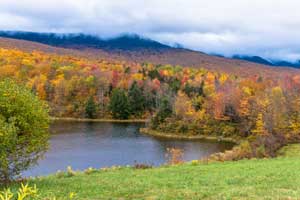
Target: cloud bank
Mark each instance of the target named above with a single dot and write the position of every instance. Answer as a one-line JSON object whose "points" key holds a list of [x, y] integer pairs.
{"points": [[268, 28]]}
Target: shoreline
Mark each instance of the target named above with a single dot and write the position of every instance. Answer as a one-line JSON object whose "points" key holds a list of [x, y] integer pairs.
{"points": [[70, 119], [149, 132], [154, 133], [218, 179]]}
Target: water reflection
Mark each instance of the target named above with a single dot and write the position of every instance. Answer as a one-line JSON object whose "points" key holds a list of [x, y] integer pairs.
{"points": [[82, 145]]}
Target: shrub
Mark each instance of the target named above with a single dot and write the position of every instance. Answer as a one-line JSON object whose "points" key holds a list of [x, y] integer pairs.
{"points": [[261, 152], [60, 174], [195, 162], [24, 124], [70, 172], [174, 156], [254, 147], [90, 170], [27, 192], [142, 166]]}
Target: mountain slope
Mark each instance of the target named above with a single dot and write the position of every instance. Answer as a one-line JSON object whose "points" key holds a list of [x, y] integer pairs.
{"points": [[148, 53]]}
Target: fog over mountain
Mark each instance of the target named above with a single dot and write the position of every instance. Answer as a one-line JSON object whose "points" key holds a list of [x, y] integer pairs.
{"points": [[124, 42], [265, 28]]}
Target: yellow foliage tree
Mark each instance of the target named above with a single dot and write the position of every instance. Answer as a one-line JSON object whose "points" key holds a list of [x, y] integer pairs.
{"points": [[259, 126], [183, 106]]}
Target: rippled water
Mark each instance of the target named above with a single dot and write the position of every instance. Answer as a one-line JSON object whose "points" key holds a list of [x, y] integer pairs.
{"points": [[82, 145]]}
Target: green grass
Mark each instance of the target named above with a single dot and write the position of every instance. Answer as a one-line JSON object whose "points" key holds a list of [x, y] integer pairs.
{"points": [[277, 178], [252, 179]]}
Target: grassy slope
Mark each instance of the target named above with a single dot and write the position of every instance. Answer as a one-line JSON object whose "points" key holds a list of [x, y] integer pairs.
{"points": [[255, 179]]}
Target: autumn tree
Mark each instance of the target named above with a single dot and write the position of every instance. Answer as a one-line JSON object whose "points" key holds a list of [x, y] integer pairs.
{"points": [[278, 108], [183, 107], [293, 114], [259, 126]]}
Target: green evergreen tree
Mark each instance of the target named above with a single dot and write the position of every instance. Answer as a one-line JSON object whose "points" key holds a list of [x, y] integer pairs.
{"points": [[165, 111], [136, 100], [90, 108], [175, 85], [191, 90], [119, 104]]}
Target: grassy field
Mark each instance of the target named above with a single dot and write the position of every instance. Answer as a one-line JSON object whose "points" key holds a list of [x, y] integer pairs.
{"points": [[277, 178]]}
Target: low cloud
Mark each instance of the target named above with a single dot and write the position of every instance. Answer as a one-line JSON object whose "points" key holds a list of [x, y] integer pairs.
{"points": [[269, 28]]}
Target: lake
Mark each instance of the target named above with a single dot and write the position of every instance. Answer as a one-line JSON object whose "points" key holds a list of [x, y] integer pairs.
{"points": [[90, 144]]}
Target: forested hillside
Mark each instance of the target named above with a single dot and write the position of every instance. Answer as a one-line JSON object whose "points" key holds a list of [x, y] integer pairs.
{"points": [[68, 82], [178, 100]]}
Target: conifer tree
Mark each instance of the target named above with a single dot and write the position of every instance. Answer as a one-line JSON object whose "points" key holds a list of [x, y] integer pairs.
{"points": [[90, 108], [119, 104], [136, 99]]}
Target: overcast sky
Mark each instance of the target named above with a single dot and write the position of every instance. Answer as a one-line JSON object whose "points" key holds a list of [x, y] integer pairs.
{"points": [[269, 28]]}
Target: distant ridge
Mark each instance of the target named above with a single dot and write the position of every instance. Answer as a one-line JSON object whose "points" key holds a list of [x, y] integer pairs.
{"points": [[72, 40], [260, 60]]}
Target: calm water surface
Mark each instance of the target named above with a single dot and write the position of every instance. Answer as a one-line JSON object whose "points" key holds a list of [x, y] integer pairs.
{"points": [[82, 145]]}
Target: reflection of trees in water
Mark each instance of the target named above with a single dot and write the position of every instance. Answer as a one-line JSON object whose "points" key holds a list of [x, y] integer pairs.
{"points": [[192, 149], [91, 129]]}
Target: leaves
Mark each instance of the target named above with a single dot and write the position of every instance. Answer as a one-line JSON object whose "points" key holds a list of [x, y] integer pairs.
{"points": [[23, 129]]}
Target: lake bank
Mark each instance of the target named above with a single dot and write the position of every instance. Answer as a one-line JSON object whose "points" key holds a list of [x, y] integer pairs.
{"points": [[154, 133], [98, 120]]}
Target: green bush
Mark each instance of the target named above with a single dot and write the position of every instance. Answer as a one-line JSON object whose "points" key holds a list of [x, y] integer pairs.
{"points": [[24, 124]]}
